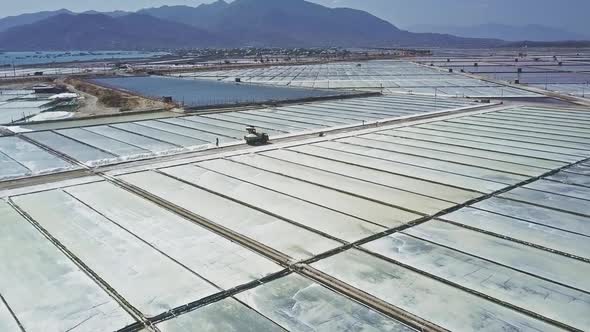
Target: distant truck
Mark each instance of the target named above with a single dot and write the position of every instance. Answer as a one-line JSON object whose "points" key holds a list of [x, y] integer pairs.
{"points": [[255, 138]]}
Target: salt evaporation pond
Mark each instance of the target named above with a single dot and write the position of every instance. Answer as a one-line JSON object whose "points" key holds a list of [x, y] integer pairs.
{"points": [[194, 92]]}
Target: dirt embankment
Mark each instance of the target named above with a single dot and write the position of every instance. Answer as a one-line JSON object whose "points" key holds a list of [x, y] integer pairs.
{"points": [[101, 100], [24, 83]]}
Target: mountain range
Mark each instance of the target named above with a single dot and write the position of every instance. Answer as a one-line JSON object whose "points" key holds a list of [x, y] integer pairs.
{"points": [[531, 32], [103, 32], [268, 23]]}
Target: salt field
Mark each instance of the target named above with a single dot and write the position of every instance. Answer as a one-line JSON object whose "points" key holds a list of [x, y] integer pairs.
{"points": [[385, 76], [17, 105], [525, 290], [273, 232], [242, 169], [567, 74], [575, 89], [225, 315], [298, 304], [480, 210], [20, 158], [364, 214], [117, 142], [70, 297], [422, 296]]}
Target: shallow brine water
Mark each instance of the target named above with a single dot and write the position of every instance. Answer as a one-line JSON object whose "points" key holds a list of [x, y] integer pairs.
{"points": [[196, 93]]}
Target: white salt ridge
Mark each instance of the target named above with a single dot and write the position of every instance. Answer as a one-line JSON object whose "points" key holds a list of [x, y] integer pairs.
{"points": [[46, 116]]}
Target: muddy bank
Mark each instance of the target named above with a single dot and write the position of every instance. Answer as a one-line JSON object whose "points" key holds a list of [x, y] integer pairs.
{"points": [[100, 100]]}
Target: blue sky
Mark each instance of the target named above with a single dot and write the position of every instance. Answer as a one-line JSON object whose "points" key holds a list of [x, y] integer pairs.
{"points": [[566, 14]]}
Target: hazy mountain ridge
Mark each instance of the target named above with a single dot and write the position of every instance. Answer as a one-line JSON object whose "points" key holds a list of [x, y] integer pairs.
{"points": [[14, 21], [201, 16], [531, 32], [285, 23], [103, 32]]}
